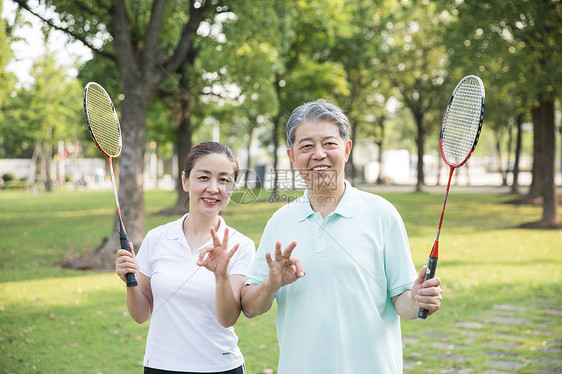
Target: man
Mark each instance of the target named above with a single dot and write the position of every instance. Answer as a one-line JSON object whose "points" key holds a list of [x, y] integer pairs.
{"points": [[347, 276]]}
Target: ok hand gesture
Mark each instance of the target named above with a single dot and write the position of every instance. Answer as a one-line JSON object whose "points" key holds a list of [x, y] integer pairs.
{"points": [[217, 257], [284, 269]]}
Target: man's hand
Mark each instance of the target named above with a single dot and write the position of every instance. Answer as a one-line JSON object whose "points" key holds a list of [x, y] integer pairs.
{"points": [[428, 294], [284, 269]]}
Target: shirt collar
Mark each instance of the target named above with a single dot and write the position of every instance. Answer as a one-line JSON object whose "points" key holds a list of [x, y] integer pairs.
{"points": [[304, 209], [177, 228], [347, 205], [345, 208]]}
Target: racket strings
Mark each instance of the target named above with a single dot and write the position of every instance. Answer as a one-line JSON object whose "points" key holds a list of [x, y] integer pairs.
{"points": [[102, 120], [462, 120]]}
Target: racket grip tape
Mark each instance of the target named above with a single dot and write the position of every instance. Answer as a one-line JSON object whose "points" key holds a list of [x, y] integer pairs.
{"points": [[430, 273], [131, 281]]}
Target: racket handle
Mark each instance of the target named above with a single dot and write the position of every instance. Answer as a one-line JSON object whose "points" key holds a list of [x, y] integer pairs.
{"points": [[131, 281], [430, 273]]}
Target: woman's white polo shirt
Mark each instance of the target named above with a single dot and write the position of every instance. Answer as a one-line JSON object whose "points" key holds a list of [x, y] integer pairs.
{"points": [[184, 334]]}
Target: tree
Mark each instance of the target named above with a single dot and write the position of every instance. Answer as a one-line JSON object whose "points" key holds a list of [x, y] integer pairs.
{"points": [[228, 71], [305, 33], [239, 91], [6, 78], [416, 64], [148, 42], [377, 119], [7, 86], [41, 116], [500, 115], [528, 36], [355, 48]]}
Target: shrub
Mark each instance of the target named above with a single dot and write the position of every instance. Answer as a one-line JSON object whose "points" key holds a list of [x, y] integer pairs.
{"points": [[8, 177]]}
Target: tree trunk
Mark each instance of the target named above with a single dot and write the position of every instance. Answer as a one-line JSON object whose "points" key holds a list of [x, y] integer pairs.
{"points": [[515, 171], [131, 167], [509, 150], [560, 132], [184, 143], [350, 163], [130, 185], [47, 155], [537, 183], [381, 177], [550, 203], [251, 128], [543, 164], [143, 68], [33, 167], [420, 144], [503, 172], [275, 138], [439, 165]]}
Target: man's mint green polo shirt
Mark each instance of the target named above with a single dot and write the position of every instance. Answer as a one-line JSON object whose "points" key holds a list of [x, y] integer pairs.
{"points": [[339, 317]]}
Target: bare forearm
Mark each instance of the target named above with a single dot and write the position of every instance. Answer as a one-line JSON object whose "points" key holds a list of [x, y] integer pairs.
{"points": [[404, 305], [283, 270], [227, 304], [257, 299], [139, 300], [140, 308]]}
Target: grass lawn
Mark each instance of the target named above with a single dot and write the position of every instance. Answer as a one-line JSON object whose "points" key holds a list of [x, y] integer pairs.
{"points": [[502, 306]]}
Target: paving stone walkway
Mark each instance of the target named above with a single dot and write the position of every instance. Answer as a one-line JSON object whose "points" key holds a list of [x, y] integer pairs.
{"points": [[501, 353]]}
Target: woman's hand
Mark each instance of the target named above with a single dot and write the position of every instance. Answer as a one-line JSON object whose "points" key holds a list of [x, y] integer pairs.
{"points": [[217, 257], [126, 262]]}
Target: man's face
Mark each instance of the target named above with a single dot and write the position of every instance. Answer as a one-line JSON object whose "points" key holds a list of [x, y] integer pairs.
{"points": [[319, 154]]}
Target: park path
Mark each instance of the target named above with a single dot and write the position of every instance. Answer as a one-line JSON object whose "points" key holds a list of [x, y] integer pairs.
{"points": [[503, 351]]}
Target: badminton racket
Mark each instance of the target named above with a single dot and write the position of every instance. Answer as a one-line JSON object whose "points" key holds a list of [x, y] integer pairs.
{"points": [[103, 124], [460, 130]]}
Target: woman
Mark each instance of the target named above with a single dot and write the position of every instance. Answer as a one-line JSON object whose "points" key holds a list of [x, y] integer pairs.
{"points": [[190, 272]]}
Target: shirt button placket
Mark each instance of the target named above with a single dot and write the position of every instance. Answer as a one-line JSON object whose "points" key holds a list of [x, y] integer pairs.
{"points": [[320, 247]]}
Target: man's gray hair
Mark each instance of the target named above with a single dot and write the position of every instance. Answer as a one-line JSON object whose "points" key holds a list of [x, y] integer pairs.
{"points": [[320, 110]]}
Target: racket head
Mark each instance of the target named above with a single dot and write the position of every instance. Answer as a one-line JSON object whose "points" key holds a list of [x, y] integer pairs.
{"points": [[462, 121], [102, 120]]}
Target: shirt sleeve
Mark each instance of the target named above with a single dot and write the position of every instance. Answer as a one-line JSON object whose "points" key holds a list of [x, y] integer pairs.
{"points": [[243, 258], [259, 269], [399, 267], [144, 255]]}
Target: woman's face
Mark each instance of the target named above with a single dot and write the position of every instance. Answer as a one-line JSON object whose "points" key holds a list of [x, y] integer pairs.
{"points": [[210, 184]]}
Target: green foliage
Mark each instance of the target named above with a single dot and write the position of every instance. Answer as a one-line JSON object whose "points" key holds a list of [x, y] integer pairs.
{"points": [[415, 60], [307, 33], [513, 44], [6, 78], [8, 82], [53, 111], [355, 48], [46, 112], [272, 57]]}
